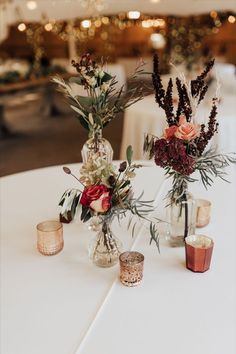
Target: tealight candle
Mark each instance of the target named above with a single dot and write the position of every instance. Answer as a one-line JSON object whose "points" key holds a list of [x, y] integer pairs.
{"points": [[198, 250], [50, 237], [131, 268], [203, 212]]}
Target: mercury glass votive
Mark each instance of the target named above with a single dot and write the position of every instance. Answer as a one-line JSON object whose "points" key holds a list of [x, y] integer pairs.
{"points": [[131, 268], [50, 237], [198, 252], [203, 212]]}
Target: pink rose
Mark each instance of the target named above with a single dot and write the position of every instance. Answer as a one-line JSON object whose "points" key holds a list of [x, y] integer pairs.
{"points": [[170, 132], [186, 131], [96, 197]]}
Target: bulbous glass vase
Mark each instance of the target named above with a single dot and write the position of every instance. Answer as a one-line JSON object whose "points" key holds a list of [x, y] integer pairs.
{"points": [[97, 145], [105, 249]]}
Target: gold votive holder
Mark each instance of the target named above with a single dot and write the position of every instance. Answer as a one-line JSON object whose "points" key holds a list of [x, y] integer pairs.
{"points": [[131, 268], [50, 237], [203, 212], [198, 252]]}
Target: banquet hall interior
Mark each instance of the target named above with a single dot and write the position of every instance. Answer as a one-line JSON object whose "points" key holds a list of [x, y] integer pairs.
{"points": [[40, 38]]}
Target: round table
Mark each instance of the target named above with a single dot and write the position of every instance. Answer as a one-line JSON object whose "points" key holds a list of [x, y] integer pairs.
{"points": [[63, 304]]}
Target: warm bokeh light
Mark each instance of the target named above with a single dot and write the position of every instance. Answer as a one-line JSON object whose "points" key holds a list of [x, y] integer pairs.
{"points": [[159, 22], [21, 27], [133, 15], [213, 14], [231, 19], [154, 1], [48, 27], [86, 23], [32, 5], [158, 41]]}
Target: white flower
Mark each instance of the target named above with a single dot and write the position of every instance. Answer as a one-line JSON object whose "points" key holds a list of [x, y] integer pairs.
{"points": [[105, 86], [99, 72]]}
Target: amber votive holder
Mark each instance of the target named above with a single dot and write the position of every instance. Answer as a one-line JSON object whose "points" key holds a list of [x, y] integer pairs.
{"points": [[203, 212], [131, 268], [198, 252], [50, 237]]}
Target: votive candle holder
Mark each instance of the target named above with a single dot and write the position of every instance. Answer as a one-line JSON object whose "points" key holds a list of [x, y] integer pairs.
{"points": [[131, 268], [50, 237], [203, 212], [198, 251]]}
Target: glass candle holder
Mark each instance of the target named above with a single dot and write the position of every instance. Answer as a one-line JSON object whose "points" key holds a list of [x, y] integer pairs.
{"points": [[203, 212], [131, 268], [50, 237], [198, 251]]}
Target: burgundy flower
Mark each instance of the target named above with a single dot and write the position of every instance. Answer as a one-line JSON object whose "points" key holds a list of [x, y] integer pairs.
{"points": [[95, 193], [173, 154]]}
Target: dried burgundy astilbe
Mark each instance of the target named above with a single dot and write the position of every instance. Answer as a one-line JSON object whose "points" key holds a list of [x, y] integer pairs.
{"points": [[173, 154], [206, 135], [164, 99], [198, 87], [184, 105]]}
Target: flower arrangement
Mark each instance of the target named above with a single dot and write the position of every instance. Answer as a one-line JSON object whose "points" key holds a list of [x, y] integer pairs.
{"points": [[107, 193], [101, 101], [182, 150]]}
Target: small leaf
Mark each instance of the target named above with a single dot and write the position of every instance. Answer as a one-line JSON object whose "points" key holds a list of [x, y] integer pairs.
{"points": [[129, 154]]}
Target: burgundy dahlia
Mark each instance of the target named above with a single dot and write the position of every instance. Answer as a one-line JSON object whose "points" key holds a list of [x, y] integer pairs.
{"points": [[173, 154]]}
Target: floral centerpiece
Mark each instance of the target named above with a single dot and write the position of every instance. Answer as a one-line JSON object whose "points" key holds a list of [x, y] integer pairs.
{"points": [[183, 147], [100, 103], [107, 193]]}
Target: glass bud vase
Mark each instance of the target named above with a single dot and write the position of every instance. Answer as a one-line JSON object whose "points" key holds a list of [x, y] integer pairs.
{"points": [[105, 249], [97, 145], [181, 214]]}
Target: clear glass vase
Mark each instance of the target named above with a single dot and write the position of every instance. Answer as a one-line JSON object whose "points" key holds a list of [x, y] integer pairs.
{"points": [[105, 249], [181, 215], [97, 145]]}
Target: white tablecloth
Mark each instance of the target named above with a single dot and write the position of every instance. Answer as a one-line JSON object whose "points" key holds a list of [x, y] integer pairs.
{"points": [[147, 117], [65, 305]]}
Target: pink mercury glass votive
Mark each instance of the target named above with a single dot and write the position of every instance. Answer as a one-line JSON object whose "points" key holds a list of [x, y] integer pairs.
{"points": [[50, 237]]}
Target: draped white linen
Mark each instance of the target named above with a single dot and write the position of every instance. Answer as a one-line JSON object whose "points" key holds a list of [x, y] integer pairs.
{"points": [[65, 305]]}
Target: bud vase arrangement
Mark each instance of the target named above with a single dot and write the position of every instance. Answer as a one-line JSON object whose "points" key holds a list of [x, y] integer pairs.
{"points": [[100, 103], [107, 194], [184, 148]]}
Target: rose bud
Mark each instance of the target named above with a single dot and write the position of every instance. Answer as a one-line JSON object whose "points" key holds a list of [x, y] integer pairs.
{"points": [[111, 180], [67, 170], [123, 166]]}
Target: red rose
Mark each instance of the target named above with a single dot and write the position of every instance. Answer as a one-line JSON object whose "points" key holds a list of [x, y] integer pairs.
{"points": [[97, 198]]}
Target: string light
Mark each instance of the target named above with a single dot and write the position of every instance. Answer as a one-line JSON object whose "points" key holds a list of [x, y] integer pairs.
{"points": [[86, 23], [133, 15], [21, 27], [48, 27], [231, 19]]}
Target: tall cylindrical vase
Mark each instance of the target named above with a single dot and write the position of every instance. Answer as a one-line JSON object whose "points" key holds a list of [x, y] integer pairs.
{"points": [[105, 249], [98, 146], [181, 218]]}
